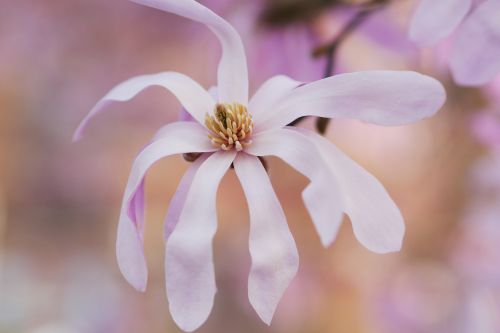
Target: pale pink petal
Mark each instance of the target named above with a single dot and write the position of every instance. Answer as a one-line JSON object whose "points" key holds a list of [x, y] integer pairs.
{"points": [[232, 80], [274, 255], [475, 57], [177, 201], [192, 96], [437, 19], [185, 116], [376, 220], [321, 196], [181, 137], [269, 94], [380, 97], [189, 267]]}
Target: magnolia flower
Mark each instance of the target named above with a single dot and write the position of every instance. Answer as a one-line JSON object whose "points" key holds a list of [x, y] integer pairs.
{"points": [[234, 130], [475, 56]]}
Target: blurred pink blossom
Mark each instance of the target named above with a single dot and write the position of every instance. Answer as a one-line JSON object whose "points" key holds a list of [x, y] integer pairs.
{"points": [[486, 128], [475, 55]]}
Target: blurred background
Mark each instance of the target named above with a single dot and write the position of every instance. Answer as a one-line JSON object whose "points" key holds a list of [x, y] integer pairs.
{"points": [[60, 202]]}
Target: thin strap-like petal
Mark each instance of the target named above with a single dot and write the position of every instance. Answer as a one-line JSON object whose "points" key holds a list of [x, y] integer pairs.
{"points": [[193, 97], [182, 137], [321, 197], [269, 93], [380, 97], [437, 19], [475, 58], [179, 198], [189, 268], [274, 255], [376, 220], [232, 80]]}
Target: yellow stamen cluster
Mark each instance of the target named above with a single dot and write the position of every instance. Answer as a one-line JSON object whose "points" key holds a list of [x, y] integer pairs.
{"points": [[230, 126]]}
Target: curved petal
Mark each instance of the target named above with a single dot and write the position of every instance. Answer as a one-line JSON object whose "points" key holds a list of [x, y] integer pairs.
{"points": [[177, 202], [380, 97], [269, 94], [376, 220], [232, 73], [475, 58], [182, 137], [185, 116], [275, 260], [189, 266], [434, 20], [321, 196], [193, 97]]}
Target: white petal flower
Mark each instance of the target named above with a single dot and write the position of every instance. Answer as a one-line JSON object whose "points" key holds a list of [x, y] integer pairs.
{"points": [[230, 130]]}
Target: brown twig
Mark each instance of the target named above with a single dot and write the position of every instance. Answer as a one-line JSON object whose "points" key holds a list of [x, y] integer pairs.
{"points": [[329, 50]]}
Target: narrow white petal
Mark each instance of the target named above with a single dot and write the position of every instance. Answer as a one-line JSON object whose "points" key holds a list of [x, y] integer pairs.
{"points": [[189, 268], [177, 202], [232, 79], [380, 97], [193, 97], [274, 255], [180, 138], [269, 94], [376, 220], [321, 197]]}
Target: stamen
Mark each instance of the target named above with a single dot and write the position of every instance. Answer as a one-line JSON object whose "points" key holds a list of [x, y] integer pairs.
{"points": [[230, 126]]}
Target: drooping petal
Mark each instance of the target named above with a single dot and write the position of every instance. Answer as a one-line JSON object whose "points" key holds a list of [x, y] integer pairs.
{"points": [[181, 137], [321, 196], [434, 20], [269, 94], [376, 220], [193, 97], [475, 58], [177, 201], [380, 97], [272, 247], [232, 80], [189, 266]]}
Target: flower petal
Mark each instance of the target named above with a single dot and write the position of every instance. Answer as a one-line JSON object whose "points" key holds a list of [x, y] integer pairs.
{"points": [[181, 137], [232, 73], [434, 20], [475, 58], [376, 220], [380, 97], [321, 196], [189, 266], [269, 94], [193, 97], [177, 202], [274, 255]]}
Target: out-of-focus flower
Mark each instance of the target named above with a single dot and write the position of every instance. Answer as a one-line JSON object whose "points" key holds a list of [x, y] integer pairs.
{"points": [[235, 131], [486, 128], [475, 56], [429, 297]]}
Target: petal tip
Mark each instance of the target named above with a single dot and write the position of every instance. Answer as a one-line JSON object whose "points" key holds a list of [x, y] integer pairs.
{"points": [[187, 322], [265, 316], [77, 136], [138, 279]]}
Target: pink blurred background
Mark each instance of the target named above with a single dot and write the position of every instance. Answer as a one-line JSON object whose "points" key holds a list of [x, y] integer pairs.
{"points": [[59, 202]]}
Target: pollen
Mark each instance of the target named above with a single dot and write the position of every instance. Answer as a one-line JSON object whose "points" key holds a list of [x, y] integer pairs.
{"points": [[230, 126]]}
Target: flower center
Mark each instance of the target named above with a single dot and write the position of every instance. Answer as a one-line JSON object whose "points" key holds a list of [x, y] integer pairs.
{"points": [[230, 126]]}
